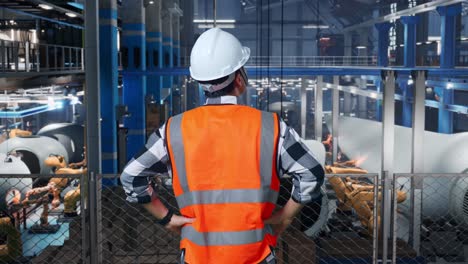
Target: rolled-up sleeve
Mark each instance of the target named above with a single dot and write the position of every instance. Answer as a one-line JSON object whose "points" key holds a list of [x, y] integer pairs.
{"points": [[297, 161], [150, 161]]}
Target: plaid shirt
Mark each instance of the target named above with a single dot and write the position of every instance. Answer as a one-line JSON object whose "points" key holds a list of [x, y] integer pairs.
{"points": [[294, 159]]}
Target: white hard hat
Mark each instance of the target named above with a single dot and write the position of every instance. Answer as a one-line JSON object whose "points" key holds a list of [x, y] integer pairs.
{"points": [[216, 54]]}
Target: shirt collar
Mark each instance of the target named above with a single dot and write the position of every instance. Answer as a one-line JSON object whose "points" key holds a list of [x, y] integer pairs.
{"points": [[226, 99]]}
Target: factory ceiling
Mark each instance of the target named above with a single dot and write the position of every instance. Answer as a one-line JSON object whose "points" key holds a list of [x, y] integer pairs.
{"points": [[59, 10]]}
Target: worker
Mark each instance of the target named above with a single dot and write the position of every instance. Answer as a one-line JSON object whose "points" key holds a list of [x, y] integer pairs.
{"points": [[226, 161]]}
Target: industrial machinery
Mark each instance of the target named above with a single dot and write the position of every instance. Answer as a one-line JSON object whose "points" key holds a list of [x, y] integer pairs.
{"points": [[357, 194], [70, 135], [10, 164], [443, 153], [444, 199], [34, 150]]}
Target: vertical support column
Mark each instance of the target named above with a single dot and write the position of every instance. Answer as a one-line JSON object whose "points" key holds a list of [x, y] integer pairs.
{"points": [[363, 43], [410, 23], [109, 83], [154, 49], [382, 59], [168, 59], [407, 107], [417, 156], [347, 103], [27, 52], [335, 115], [448, 16], [318, 107], [383, 43], [445, 116], [388, 142], [93, 130], [176, 14], [134, 86], [362, 100], [348, 48], [303, 107]]}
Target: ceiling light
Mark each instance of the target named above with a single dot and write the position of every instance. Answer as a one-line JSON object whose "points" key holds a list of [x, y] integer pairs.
{"points": [[151, 2], [212, 21], [449, 85], [360, 47], [70, 14], [46, 7], [419, 43], [316, 26], [218, 26]]}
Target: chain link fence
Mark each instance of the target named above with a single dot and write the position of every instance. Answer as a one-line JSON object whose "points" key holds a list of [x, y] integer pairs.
{"points": [[433, 221], [337, 228], [43, 224], [40, 219]]}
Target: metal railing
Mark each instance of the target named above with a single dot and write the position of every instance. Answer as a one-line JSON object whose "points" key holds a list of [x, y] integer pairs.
{"points": [[35, 57], [305, 61]]}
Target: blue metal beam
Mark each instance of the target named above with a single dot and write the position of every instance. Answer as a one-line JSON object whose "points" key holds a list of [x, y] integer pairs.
{"points": [[407, 104], [109, 84], [410, 23], [453, 85], [383, 43], [155, 62], [134, 86], [448, 15]]}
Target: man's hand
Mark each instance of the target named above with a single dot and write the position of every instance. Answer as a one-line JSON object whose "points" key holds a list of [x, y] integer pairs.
{"points": [[279, 222], [284, 217], [177, 222]]}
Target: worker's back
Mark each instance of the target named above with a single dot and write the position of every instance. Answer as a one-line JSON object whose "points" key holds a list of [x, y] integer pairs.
{"points": [[223, 161]]}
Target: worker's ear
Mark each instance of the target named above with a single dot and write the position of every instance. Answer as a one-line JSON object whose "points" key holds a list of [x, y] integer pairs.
{"points": [[238, 81]]}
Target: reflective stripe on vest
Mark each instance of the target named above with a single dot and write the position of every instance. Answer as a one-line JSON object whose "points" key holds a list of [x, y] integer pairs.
{"points": [[266, 195], [228, 238]]}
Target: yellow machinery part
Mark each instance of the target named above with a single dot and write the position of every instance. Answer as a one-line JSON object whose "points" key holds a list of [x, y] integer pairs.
{"points": [[19, 133], [358, 195], [55, 161], [71, 198]]}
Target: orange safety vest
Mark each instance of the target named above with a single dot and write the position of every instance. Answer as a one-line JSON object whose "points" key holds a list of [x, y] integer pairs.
{"points": [[223, 160]]}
